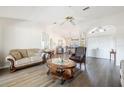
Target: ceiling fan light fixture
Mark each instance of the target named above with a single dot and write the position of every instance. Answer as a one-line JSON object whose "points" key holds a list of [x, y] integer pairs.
{"points": [[69, 19]]}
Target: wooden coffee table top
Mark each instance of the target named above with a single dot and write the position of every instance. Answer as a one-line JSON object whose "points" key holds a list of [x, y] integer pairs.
{"points": [[61, 68], [66, 63]]}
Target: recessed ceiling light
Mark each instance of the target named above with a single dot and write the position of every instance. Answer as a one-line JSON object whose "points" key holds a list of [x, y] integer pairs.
{"points": [[54, 23], [97, 30], [101, 30]]}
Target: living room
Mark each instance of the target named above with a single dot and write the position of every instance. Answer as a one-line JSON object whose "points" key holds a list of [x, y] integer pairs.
{"points": [[62, 29]]}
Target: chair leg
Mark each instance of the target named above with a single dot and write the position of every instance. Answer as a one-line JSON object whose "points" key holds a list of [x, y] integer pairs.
{"points": [[48, 72], [80, 65], [85, 66], [85, 63], [12, 69], [62, 82]]}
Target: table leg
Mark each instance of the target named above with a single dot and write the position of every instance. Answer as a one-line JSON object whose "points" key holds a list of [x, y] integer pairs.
{"points": [[80, 65], [62, 81], [48, 72]]}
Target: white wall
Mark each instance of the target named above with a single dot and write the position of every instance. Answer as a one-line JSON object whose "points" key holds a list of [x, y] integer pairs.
{"points": [[1, 45], [100, 46], [21, 34], [25, 34], [104, 43]]}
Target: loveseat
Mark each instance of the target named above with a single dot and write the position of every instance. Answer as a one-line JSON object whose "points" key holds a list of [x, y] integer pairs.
{"points": [[19, 58]]}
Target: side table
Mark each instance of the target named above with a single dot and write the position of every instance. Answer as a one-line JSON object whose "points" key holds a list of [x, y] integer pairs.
{"points": [[113, 53]]}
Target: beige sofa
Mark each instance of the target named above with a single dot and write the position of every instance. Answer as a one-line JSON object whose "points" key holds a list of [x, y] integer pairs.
{"points": [[122, 73], [19, 58]]}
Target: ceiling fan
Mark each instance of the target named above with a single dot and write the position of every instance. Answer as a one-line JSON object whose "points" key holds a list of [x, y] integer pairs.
{"points": [[69, 19]]}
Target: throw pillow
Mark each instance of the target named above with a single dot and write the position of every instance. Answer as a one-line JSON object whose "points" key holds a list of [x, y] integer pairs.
{"points": [[16, 54]]}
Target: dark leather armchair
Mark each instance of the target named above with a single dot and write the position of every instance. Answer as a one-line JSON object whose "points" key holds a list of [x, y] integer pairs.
{"points": [[79, 56]]}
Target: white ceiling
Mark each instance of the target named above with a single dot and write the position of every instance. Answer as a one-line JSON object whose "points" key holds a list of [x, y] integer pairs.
{"points": [[53, 14], [50, 14]]}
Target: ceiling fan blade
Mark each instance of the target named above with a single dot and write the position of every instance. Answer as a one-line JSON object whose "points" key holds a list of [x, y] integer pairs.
{"points": [[72, 23], [62, 23]]}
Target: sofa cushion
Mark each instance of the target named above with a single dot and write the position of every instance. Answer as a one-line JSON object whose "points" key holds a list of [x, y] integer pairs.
{"points": [[75, 58], [22, 62], [36, 59], [16, 54], [23, 52], [37, 54], [32, 52]]}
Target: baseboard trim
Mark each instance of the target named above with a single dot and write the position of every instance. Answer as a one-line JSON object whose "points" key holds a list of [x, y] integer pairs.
{"points": [[98, 58]]}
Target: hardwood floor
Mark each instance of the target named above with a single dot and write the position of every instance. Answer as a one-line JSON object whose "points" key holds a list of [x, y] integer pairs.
{"points": [[99, 73]]}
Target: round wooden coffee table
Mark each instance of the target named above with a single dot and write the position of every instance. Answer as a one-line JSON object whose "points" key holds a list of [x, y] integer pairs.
{"points": [[61, 68]]}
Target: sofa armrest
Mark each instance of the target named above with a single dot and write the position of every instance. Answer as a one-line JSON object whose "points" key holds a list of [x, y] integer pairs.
{"points": [[10, 59], [44, 56]]}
